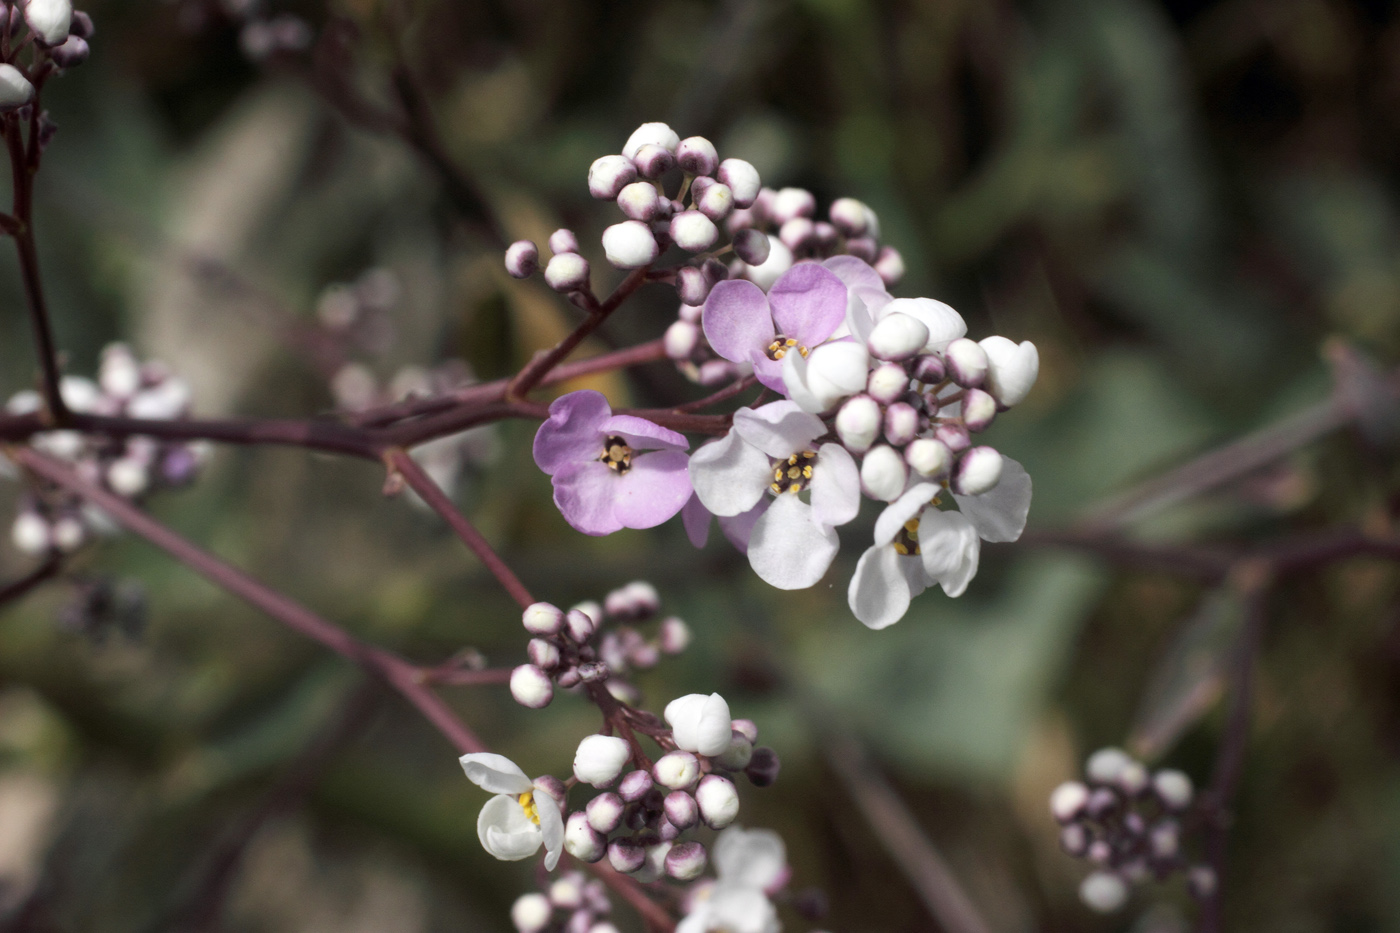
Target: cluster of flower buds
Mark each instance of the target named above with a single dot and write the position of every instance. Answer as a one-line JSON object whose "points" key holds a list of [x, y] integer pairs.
{"points": [[60, 35], [571, 904], [1127, 821], [573, 648], [49, 520]]}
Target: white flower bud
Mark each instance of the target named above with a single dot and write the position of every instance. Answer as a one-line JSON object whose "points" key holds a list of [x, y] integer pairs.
{"points": [[609, 175], [929, 457], [630, 245], [700, 723], [681, 339], [686, 861], [955, 436], [567, 272], [636, 785], [883, 473], [798, 234], [68, 534], [543, 654], [30, 533], [563, 240], [626, 856], [531, 687], [967, 362], [848, 216], [605, 812], [674, 635], [887, 383], [1173, 788], [1165, 839], [639, 200], [49, 19], [531, 913], [692, 286], [779, 260], [1103, 892], [567, 892], [979, 409], [718, 800], [582, 841], [690, 313], [653, 161], [745, 727], [80, 394], [693, 231], [742, 178], [128, 477], [897, 337], [522, 259], [890, 266], [71, 53], [792, 202], [858, 423], [162, 402], [751, 246], [901, 423], [1067, 801], [1011, 369], [600, 759], [697, 155], [681, 810], [656, 134], [978, 471], [676, 770], [581, 623], [543, 619], [119, 373], [1133, 778], [1105, 764], [739, 753], [716, 203]]}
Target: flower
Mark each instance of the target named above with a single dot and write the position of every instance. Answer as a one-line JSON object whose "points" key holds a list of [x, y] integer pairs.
{"points": [[700, 723], [524, 815], [750, 865], [768, 453], [803, 308], [601, 483]]}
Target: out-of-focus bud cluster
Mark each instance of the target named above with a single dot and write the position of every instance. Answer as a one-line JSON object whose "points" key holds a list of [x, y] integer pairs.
{"points": [[60, 36], [1128, 822], [50, 520], [570, 904]]}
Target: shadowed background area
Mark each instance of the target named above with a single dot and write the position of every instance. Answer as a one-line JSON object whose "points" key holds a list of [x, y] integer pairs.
{"points": [[1180, 203]]}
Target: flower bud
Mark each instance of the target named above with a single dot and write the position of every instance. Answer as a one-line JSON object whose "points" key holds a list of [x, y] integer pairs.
{"points": [[798, 234], [967, 362], [128, 477], [681, 339], [890, 266], [953, 436], [1011, 369], [568, 677], [681, 810], [656, 134], [887, 382], [1104, 765], [737, 756], [1133, 779], [686, 861], [563, 240], [601, 927], [605, 812], [751, 246], [697, 155], [901, 423], [928, 457], [742, 179], [531, 913], [693, 231], [1100, 852], [676, 770], [580, 625], [653, 161], [716, 202], [1102, 801], [979, 409], [543, 653], [715, 271], [635, 786], [626, 856], [630, 244], [718, 800], [1103, 892], [1067, 801], [667, 831], [767, 272], [930, 369], [49, 20], [15, 89], [863, 248], [600, 759], [699, 723], [1074, 839], [792, 202], [654, 864], [68, 533], [848, 216], [639, 201], [30, 533], [81, 25], [608, 175], [763, 767], [543, 619], [674, 635], [531, 687], [1165, 839], [692, 313], [883, 473], [824, 237], [522, 259], [567, 272], [979, 471], [1173, 788], [897, 337], [71, 53], [567, 892], [746, 728], [1201, 881], [858, 423]]}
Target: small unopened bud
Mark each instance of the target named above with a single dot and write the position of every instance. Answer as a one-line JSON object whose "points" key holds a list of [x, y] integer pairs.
{"points": [[600, 759], [1173, 789], [15, 89], [928, 457], [68, 533], [953, 436], [739, 753], [693, 231], [674, 636], [887, 382], [580, 625], [563, 240], [882, 473], [798, 234], [862, 247], [742, 179], [653, 161], [1133, 779], [715, 202], [609, 175], [1101, 802], [979, 410], [567, 272], [1201, 882], [522, 259], [531, 687], [718, 800], [656, 134], [1103, 892], [967, 362], [543, 653], [128, 477], [715, 270], [1104, 765], [897, 337], [71, 53], [890, 265], [635, 786], [626, 856], [1074, 839], [639, 201], [81, 25], [30, 533], [531, 913], [745, 727], [848, 216], [568, 678], [543, 619], [605, 812], [49, 20], [681, 809], [751, 246], [930, 369], [793, 202], [858, 423], [1100, 852], [630, 245], [567, 892], [1067, 801], [697, 155], [120, 373], [1165, 839], [901, 423], [824, 237], [686, 861], [676, 770], [681, 339], [979, 471], [763, 767]]}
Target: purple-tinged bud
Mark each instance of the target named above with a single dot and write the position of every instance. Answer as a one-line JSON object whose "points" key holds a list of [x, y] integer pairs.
{"points": [[715, 202], [531, 687], [979, 471], [699, 186], [665, 209], [531, 913], [626, 856], [568, 677], [890, 265], [691, 313], [674, 635], [635, 785], [740, 220], [656, 134], [824, 237], [686, 861], [1173, 789], [72, 53], [858, 423], [49, 20], [1133, 778], [742, 178], [681, 810], [1165, 839], [600, 759], [798, 234], [543, 619], [1100, 852], [745, 727], [1201, 882], [543, 654], [567, 272], [849, 216], [594, 672], [643, 656], [631, 245], [552, 786], [639, 201], [522, 259], [752, 246], [1102, 801], [928, 457], [1104, 765], [653, 161], [636, 817], [654, 867], [792, 202], [693, 231], [15, 89], [681, 339], [676, 770], [953, 436], [609, 175], [697, 155], [715, 271], [763, 205], [979, 410], [1074, 839], [967, 362], [610, 650], [567, 892], [930, 369], [605, 812], [739, 753], [715, 372], [887, 383], [897, 337], [863, 248], [81, 25], [763, 767], [718, 800], [1103, 892], [901, 423], [580, 625], [883, 473], [1068, 800], [666, 832]]}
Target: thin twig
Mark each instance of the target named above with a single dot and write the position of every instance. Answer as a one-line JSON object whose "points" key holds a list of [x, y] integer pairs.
{"points": [[41, 574]]}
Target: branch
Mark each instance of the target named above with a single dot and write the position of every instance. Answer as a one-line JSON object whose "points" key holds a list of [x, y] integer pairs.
{"points": [[22, 587]]}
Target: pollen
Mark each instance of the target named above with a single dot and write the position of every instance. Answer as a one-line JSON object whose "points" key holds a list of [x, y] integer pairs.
{"points": [[793, 474], [907, 541], [782, 346], [617, 454], [527, 803]]}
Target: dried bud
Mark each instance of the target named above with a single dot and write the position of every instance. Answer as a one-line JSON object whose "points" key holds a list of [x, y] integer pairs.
{"points": [[609, 175], [630, 245], [697, 155], [742, 179], [522, 259], [531, 687], [567, 272]]}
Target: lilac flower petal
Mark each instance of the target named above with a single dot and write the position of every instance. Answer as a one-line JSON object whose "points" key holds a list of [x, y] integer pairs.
{"points": [[779, 429], [584, 493], [789, 548], [739, 528], [808, 302], [729, 475], [879, 592], [769, 372], [654, 490], [736, 319], [835, 486], [642, 434], [696, 519], [573, 431], [1000, 515], [855, 273]]}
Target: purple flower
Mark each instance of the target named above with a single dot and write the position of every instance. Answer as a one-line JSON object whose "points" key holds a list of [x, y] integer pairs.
{"points": [[602, 482], [804, 307]]}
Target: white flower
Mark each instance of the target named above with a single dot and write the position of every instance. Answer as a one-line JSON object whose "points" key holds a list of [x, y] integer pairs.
{"points": [[514, 824], [834, 371], [700, 723], [600, 759], [1011, 368], [751, 865]]}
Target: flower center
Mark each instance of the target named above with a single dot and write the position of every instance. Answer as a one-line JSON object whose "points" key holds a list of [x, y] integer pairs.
{"points": [[793, 474], [617, 455], [779, 348], [527, 803], [907, 541]]}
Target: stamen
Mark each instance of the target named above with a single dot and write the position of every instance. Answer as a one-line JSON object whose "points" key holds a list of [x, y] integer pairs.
{"points": [[907, 541], [617, 454], [793, 474], [527, 803], [779, 348]]}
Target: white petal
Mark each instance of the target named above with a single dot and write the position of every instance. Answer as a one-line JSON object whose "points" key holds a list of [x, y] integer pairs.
{"points": [[944, 324], [879, 591], [789, 548], [506, 832], [551, 827], [835, 486], [714, 732], [910, 504], [1011, 368], [1000, 515], [683, 716], [754, 858], [729, 475], [837, 370], [779, 429], [743, 909], [795, 371], [950, 549], [495, 773]]}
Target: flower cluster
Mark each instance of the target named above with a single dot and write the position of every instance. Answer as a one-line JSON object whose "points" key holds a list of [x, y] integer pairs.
{"points": [[571, 904], [60, 36], [50, 520], [1128, 822]]}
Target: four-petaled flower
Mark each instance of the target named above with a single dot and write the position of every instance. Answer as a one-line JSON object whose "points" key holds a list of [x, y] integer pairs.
{"points": [[751, 865], [514, 824], [602, 483]]}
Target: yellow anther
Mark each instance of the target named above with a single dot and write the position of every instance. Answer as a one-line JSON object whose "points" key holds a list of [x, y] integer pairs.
{"points": [[806, 472], [527, 803], [901, 549], [776, 488]]}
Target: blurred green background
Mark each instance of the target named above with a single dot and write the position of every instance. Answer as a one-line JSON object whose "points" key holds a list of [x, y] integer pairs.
{"points": [[1179, 201]]}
